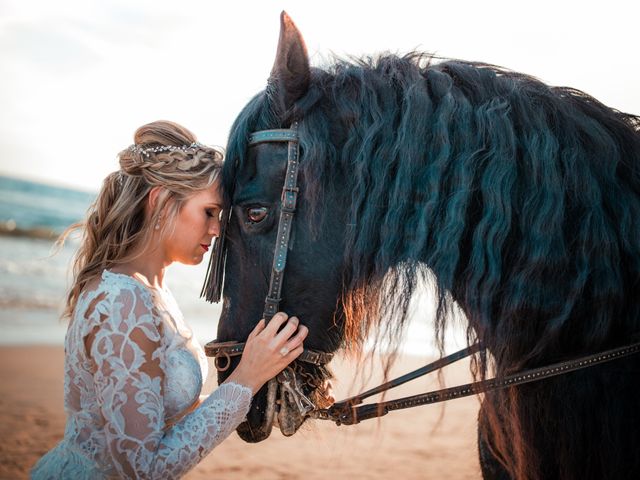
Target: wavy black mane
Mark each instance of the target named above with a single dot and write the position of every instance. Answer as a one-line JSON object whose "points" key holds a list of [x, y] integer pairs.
{"points": [[521, 198]]}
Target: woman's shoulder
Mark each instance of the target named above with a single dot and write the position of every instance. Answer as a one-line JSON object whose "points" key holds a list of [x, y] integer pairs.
{"points": [[116, 282], [112, 289]]}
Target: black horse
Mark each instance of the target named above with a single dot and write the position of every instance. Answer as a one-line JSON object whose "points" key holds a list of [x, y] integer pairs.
{"points": [[522, 201]]}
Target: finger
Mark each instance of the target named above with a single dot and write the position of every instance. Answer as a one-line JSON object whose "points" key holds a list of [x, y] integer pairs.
{"points": [[295, 353], [298, 338], [276, 322], [257, 329], [287, 331]]}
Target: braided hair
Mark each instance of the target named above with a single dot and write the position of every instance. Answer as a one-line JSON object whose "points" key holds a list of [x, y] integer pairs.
{"points": [[120, 222]]}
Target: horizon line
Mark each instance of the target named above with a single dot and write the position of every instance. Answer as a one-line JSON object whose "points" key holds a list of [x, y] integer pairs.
{"points": [[47, 182]]}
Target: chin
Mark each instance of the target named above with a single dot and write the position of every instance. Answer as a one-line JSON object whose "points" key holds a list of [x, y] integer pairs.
{"points": [[194, 260], [197, 260]]}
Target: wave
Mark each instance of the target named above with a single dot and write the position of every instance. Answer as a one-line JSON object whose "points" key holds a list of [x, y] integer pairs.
{"points": [[36, 210], [30, 303], [9, 228]]}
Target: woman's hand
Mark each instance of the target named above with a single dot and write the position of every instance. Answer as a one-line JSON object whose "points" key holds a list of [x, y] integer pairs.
{"points": [[267, 352]]}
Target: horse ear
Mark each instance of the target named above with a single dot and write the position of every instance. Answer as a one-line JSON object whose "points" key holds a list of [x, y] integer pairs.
{"points": [[290, 74]]}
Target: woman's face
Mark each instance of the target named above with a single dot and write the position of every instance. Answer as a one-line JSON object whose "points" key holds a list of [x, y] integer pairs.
{"points": [[196, 224]]}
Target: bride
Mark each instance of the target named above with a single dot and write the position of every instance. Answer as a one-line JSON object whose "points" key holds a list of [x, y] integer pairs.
{"points": [[133, 369]]}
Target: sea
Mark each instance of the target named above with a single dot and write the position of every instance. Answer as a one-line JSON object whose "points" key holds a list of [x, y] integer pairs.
{"points": [[35, 276]]}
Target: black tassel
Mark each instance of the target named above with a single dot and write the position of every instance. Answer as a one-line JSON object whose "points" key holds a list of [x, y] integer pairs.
{"points": [[212, 287]]}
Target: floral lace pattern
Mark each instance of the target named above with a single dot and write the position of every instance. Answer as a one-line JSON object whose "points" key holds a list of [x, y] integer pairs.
{"points": [[132, 372]]}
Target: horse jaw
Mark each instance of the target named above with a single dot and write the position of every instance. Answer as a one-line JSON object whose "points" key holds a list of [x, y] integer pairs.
{"points": [[283, 410], [289, 421], [293, 404], [255, 435]]}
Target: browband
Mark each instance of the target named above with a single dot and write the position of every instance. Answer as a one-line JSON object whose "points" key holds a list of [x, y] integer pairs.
{"points": [[275, 135]]}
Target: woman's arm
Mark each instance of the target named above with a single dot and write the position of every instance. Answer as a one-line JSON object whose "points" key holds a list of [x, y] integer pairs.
{"points": [[219, 415], [129, 357]]}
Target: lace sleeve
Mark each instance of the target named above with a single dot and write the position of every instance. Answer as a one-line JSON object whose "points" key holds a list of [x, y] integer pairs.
{"points": [[191, 439], [129, 361]]}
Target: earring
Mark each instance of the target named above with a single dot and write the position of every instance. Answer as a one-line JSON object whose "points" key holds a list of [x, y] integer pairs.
{"points": [[157, 226]]}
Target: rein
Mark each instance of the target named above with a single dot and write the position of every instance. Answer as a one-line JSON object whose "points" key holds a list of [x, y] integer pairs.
{"points": [[352, 410]]}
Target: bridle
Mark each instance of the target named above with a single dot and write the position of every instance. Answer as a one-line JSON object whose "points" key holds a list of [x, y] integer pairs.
{"points": [[352, 410], [225, 350]]}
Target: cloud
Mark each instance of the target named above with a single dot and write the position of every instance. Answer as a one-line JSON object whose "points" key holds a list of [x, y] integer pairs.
{"points": [[79, 76], [52, 48]]}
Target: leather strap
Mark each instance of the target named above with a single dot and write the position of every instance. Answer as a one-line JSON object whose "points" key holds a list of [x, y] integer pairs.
{"points": [[224, 350], [348, 412], [288, 203], [275, 135], [432, 367]]}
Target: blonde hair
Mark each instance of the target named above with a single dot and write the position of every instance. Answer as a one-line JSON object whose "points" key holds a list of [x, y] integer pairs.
{"points": [[118, 222]]}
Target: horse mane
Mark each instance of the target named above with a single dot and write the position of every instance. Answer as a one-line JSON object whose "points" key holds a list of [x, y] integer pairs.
{"points": [[523, 200]]}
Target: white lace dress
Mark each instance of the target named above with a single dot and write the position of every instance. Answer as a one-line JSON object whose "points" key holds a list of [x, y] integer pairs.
{"points": [[132, 405]]}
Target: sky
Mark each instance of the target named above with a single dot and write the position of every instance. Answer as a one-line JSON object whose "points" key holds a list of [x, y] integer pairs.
{"points": [[77, 77]]}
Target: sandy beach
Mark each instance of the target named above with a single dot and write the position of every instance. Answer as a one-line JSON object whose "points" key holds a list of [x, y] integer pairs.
{"points": [[426, 442]]}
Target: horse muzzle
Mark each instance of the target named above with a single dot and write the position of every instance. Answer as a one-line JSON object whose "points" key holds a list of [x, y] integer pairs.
{"points": [[285, 400], [293, 406], [287, 407]]}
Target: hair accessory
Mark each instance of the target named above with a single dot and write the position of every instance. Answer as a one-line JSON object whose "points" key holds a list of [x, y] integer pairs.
{"points": [[146, 151]]}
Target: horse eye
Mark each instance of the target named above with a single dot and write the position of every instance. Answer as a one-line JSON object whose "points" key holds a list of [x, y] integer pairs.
{"points": [[256, 214]]}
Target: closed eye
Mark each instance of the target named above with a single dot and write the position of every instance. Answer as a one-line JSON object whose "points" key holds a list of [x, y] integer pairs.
{"points": [[214, 212]]}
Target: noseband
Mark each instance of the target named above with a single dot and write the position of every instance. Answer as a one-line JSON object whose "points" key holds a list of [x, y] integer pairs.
{"points": [[223, 351], [351, 410]]}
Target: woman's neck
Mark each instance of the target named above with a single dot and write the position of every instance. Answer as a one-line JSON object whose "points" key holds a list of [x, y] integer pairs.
{"points": [[148, 267]]}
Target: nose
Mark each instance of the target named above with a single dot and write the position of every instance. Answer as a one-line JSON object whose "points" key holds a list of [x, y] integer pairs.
{"points": [[214, 227]]}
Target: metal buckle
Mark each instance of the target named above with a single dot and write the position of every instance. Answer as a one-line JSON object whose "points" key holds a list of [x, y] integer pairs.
{"points": [[216, 360]]}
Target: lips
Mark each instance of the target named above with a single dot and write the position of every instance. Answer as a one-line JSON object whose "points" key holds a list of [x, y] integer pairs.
{"points": [[205, 247]]}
